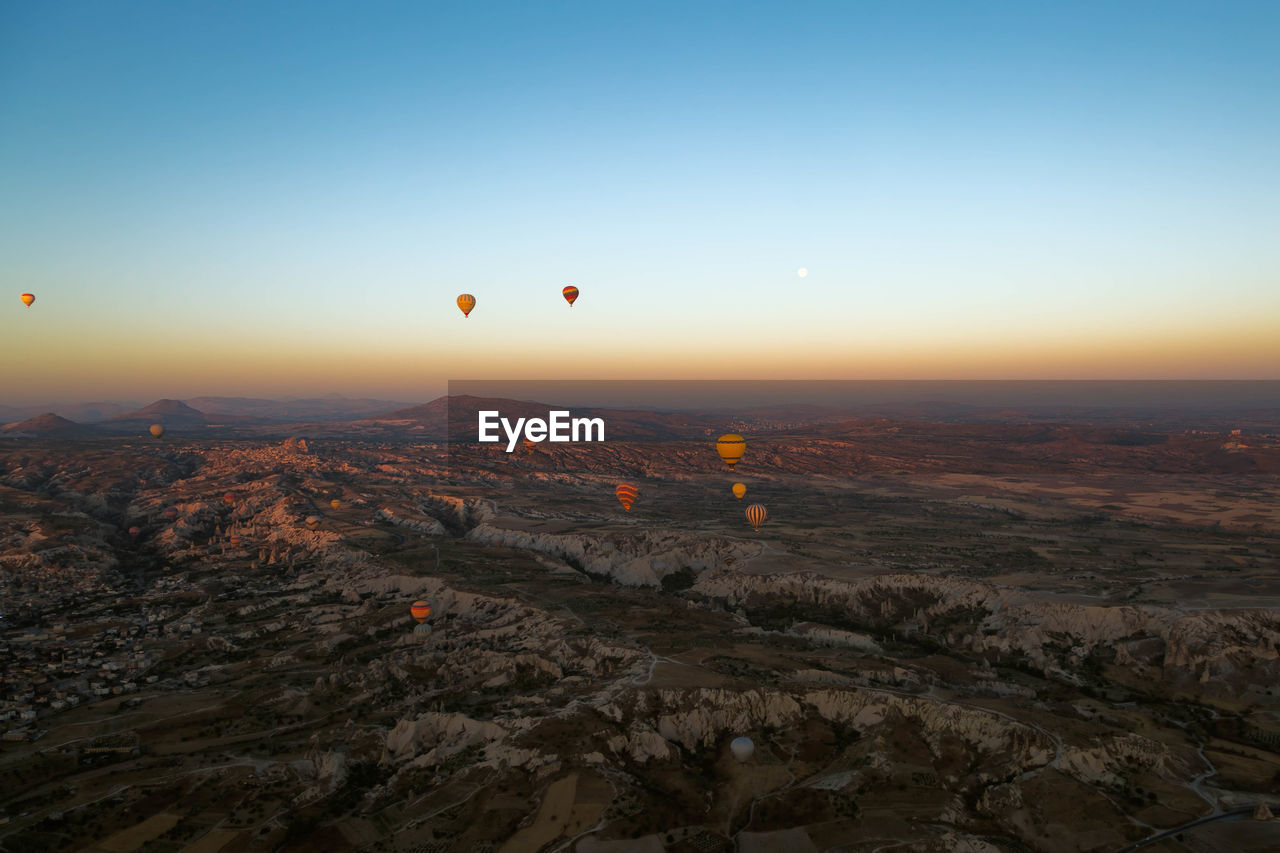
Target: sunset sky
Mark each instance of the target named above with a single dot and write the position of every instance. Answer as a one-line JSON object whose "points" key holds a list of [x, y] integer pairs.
{"points": [[254, 198]]}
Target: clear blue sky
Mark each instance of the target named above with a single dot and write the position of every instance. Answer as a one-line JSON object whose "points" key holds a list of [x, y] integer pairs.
{"points": [[286, 198]]}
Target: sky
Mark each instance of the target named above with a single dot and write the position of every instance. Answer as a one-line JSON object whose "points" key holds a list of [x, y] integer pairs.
{"points": [[285, 199]]}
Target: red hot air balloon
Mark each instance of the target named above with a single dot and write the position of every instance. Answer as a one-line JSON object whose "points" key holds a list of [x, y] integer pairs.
{"points": [[27, 299], [420, 611], [229, 498], [570, 294], [626, 495]]}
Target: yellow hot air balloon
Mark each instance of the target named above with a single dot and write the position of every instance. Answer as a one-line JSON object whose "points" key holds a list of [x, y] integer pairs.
{"points": [[731, 446], [157, 430], [756, 514], [739, 490], [467, 303], [27, 299], [421, 611], [335, 503], [626, 495]]}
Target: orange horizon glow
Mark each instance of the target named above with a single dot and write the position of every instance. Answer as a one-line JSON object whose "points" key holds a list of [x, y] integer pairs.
{"points": [[123, 370]]}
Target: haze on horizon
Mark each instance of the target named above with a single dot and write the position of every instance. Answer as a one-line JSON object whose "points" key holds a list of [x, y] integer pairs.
{"points": [[239, 199]]}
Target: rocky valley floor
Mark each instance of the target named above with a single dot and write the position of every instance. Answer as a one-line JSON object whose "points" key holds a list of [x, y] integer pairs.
{"points": [[996, 650]]}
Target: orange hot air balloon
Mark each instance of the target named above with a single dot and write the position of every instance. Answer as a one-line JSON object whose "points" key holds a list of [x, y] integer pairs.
{"points": [[229, 498], [156, 429], [335, 503], [467, 303], [739, 490], [570, 294], [421, 611], [756, 514], [627, 495], [731, 446], [27, 299]]}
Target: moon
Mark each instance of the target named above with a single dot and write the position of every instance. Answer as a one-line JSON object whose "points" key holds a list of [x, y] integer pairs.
{"points": [[802, 272]]}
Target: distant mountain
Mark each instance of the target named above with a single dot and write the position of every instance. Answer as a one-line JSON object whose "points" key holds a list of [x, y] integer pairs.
{"points": [[50, 425], [167, 412], [332, 408], [82, 413]]}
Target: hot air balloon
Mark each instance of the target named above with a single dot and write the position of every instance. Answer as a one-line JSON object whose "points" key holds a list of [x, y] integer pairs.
{"points": [[236, 540], [739, 490], [467, 303], [626, 494], [421, 611], [156, 429], [335, 503], [742, 748], [313, 522], [731, 446], [27, 299], [756, 514], [134, 532], [229, 498], [570, 294]]}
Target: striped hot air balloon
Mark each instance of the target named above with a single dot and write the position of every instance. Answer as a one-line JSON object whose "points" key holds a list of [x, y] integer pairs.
{"points": [[739, 490], [756, 514], [467, 303], [421, 611], [626, 495], [570, 294], [731, 446]]}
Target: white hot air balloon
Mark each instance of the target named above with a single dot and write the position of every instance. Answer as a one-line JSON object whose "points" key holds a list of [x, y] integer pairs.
{"points": [[742, 748]]}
